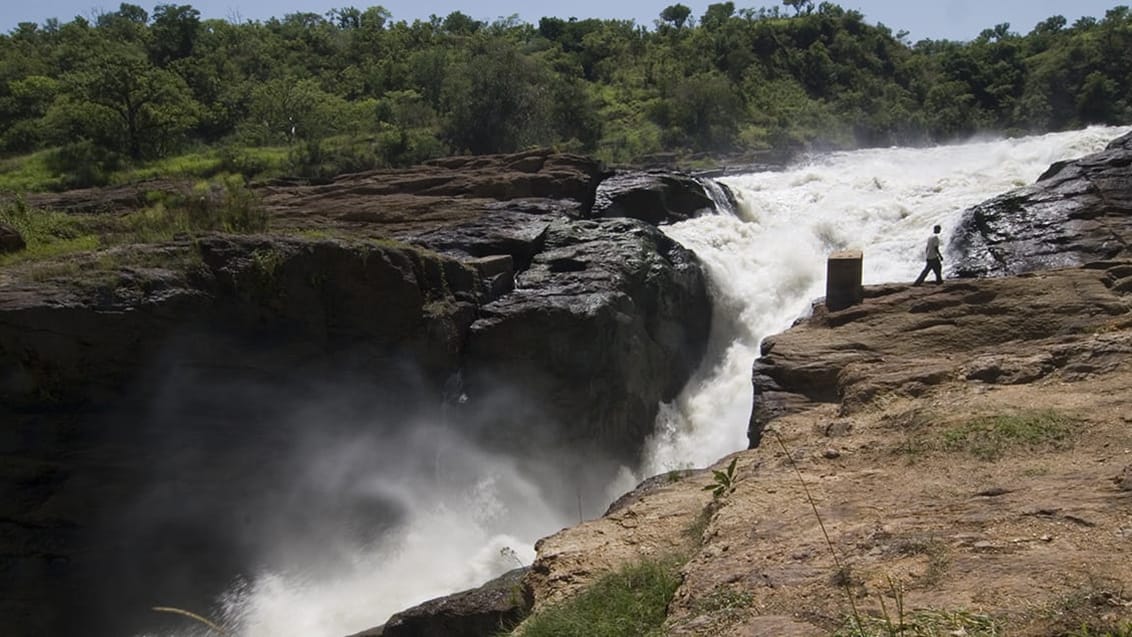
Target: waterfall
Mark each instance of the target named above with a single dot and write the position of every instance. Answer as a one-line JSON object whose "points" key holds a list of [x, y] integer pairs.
{"points": [[766, 263]]}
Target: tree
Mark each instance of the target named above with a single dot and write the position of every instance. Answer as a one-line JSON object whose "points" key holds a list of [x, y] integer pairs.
{"points": [[496, 101], [458, 23], [800, 5], [676, 15], [289, 110], [175, 29], [142, 111], [717, 15]]}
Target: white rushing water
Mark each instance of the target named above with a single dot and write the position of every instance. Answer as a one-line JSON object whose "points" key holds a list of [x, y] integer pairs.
{"points": [[766, 266]]}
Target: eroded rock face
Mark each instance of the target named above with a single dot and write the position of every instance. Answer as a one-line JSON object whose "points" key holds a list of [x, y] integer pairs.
{"points": [[610, 319], [657, 196], [305, 303], [155, 398], [998, 331], [1078, 211], [439, 194]]}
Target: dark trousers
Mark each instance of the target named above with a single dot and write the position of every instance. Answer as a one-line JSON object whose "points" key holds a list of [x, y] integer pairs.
{"points": [[933, 265]]}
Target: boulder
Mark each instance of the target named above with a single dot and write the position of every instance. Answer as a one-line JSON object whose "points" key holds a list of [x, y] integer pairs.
{"points": [[10, 239], [495, 607], [1078, 211], [659, 196]]}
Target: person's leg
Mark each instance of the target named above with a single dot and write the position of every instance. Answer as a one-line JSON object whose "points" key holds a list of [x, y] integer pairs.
{"points": [[937, 268], [923, 273]]}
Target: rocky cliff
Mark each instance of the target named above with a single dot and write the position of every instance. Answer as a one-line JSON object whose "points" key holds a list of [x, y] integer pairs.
{"points": [[155, 397], [947, 460], [954, 458]]}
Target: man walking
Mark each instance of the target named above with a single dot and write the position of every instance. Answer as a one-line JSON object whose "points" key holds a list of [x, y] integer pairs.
{"points": [[934, 259]]}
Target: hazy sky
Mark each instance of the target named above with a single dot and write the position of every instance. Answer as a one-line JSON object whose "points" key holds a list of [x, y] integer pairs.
{"points": [[952, 19]]}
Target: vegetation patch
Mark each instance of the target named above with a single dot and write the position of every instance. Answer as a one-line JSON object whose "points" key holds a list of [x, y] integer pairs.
{"points": [[1090, 610], [990, 437], [113, 97], [923, 623], [725, 605], [630, 602], [47, 233], [222, 205], [984, 437]]}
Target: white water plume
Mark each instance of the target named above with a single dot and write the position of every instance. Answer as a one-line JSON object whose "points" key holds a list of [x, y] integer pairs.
{"points": [[766, 264]]}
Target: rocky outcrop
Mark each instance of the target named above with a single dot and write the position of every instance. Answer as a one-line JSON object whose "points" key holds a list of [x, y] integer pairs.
{"points": [[438, 194], [84, 337], [1071, 322], [609, 319], [940, 448], [143, 375], [10, 239], [496, 606], [1078, 211], [658, 196]]}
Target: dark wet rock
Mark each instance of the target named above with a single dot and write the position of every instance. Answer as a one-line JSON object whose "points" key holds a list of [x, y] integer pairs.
{"points": [[10, 239], [610, 318], [1078, 211], [658, 196], [81, 339], [516, 233], [486, 611]]}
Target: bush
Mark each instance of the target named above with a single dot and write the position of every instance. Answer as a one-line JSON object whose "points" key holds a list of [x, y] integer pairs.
{"points": [[83, 164]]}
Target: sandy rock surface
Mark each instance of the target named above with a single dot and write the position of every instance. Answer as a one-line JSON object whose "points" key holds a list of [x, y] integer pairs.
{"points": [[921, 514]]}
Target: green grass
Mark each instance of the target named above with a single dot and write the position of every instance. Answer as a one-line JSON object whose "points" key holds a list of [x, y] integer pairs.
{"points": [[924, 623], [27, 173], [47, 233], [247, 161], [990, 437], [986, 437], [630, 602], [219, 205], [32, 173]]}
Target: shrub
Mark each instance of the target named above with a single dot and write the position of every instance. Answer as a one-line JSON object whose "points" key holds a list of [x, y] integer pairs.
{"points": [[83, 164], [46, 232]]}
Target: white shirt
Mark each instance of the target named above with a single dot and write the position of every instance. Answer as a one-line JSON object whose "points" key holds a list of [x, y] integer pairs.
{"points": [[933, 248]]}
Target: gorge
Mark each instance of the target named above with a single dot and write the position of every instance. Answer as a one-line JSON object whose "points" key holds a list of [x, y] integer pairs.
{"points": [[291, 390]]}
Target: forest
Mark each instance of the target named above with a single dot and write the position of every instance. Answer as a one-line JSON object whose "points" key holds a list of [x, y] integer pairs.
{"points": [[315, 95]]}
